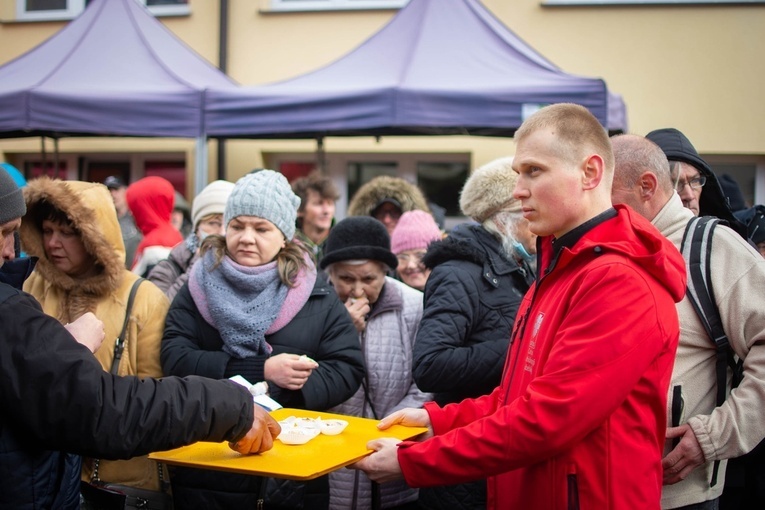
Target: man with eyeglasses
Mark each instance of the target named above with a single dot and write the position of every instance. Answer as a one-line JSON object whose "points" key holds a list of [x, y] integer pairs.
{"points": [[702, 433], [694, 179]]}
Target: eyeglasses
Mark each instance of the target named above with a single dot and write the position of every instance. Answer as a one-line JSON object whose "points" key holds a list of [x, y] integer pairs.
{"points": [[695, 183], [416, 257]]}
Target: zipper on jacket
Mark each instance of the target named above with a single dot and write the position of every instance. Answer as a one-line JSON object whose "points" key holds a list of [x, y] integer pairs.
{"points": [[260, 503], [519, 335], [677, 410], [573, 492]]}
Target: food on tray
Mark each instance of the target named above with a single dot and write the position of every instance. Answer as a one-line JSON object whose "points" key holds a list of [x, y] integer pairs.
{"points": [[301, 430], [333, 427]]}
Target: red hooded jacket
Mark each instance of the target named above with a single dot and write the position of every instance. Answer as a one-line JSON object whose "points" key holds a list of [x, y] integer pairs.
{"points": [[151, 201], [578, 420]]}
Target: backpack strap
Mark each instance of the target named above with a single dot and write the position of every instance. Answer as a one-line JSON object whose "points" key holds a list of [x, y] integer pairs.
{"points": [[696, 249], [119, 345]]}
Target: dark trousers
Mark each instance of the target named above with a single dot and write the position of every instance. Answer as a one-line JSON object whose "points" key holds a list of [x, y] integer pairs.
{"points": [[712, 504]]}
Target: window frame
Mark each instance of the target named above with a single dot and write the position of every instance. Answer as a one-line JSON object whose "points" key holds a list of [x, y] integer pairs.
{"points": [[333, 5], [336, 168], [75, 7]]}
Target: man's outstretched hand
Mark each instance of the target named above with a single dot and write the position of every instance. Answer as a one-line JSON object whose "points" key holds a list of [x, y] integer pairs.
{"points": [[261, 435]]}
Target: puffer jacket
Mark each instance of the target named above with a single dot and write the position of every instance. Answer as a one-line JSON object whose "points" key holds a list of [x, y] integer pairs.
{"points": [[105, 294], [322, 330], [387, 343], [724, 432], [173, 272], [471, 299], [57, 398], [579, 418]]}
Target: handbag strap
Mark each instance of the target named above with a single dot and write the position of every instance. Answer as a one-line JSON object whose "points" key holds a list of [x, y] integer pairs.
{"points": [[119, 345], [160, 472]]}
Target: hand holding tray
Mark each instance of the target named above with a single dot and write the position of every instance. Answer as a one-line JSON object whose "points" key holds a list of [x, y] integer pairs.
{"points": [[307, 461]]}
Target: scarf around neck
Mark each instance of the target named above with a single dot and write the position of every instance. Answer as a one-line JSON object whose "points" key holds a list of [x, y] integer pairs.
{"points": [[246, 303]]}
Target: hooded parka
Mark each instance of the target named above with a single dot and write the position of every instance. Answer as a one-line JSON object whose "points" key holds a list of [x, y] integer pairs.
{"points": [[579, 418], [91, 212], [369, 196]]}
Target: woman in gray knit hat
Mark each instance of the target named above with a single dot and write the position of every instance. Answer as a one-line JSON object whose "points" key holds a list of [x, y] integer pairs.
{"points": [[253, 307]]}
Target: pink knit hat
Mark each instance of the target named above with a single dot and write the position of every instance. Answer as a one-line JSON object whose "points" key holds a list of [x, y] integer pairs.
{"points": [[415, 230]]}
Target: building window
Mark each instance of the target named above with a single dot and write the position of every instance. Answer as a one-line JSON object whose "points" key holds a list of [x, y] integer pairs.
{"points": [[442, 182], [35, 169], [361, 172], [328, 5], [50, 10]]}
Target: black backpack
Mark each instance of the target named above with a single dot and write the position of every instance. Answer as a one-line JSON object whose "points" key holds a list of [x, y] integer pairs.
{"points": [[696, 248], [745, 475]]}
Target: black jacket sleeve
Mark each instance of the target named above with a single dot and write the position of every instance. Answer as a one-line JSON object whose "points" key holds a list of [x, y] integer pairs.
{"points": [[54, 391], [452, 352]]}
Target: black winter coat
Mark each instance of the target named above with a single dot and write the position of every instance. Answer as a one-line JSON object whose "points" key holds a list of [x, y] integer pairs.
{"points": [[471, 298], [56, 398], [322, 330]]}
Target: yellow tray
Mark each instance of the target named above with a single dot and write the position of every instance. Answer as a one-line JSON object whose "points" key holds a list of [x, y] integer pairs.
{"points": [[317, 457]]}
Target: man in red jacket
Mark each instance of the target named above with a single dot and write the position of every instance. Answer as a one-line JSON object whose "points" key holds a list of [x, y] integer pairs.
{"points": [[578, 420]]}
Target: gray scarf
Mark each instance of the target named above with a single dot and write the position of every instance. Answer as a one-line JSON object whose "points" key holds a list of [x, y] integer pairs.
{"points": [[241, 302]]}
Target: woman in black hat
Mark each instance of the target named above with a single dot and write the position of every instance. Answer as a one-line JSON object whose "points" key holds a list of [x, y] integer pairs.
{"points": [[387, 314]]}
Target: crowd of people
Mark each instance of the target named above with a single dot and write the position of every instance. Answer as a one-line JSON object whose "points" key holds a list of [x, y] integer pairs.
{"points": [[552, 345]]}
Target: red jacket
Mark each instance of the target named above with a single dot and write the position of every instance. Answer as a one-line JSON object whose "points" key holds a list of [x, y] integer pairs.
{"points": [[578, 420], [151, 202]]}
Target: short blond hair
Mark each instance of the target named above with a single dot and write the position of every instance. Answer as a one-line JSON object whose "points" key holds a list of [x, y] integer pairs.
{"points": [[577, 131]]}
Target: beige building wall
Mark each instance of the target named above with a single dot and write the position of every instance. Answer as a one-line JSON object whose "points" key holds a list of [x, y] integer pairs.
{"points": [[697, 68]]}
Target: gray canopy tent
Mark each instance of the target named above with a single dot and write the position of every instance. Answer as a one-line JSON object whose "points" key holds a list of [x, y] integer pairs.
{"points": [[113, 71], [439, 67]]}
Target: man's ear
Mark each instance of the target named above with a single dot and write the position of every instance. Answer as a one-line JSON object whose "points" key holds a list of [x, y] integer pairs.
{"points": [[594, 167], [648, 185]]}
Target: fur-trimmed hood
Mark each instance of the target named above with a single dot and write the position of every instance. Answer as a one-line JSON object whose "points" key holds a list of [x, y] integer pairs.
{"points": [[471, 243], [372, 193], [90, 208]]}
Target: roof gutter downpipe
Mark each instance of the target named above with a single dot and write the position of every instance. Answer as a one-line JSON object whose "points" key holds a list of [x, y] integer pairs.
{"points": [[223, 66]]}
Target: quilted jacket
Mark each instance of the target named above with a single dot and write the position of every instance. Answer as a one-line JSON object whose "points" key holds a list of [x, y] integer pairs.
{"points": [[387, 346]]}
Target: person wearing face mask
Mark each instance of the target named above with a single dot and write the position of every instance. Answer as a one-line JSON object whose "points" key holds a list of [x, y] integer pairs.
{"points": [[411, 237], [479, 276], [207, 218]]}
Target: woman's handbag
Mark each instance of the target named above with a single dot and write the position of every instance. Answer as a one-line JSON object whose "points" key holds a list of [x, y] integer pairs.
{"points": [[100, 495]]}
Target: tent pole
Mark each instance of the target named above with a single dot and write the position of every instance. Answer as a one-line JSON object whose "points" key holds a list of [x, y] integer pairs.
{"points": [[321, 156], [44, 156], [55, 158], [200, 165]]}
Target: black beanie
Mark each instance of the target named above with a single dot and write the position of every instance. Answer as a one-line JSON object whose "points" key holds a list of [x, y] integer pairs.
{"points": [[358, 238], [12, 204]]}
